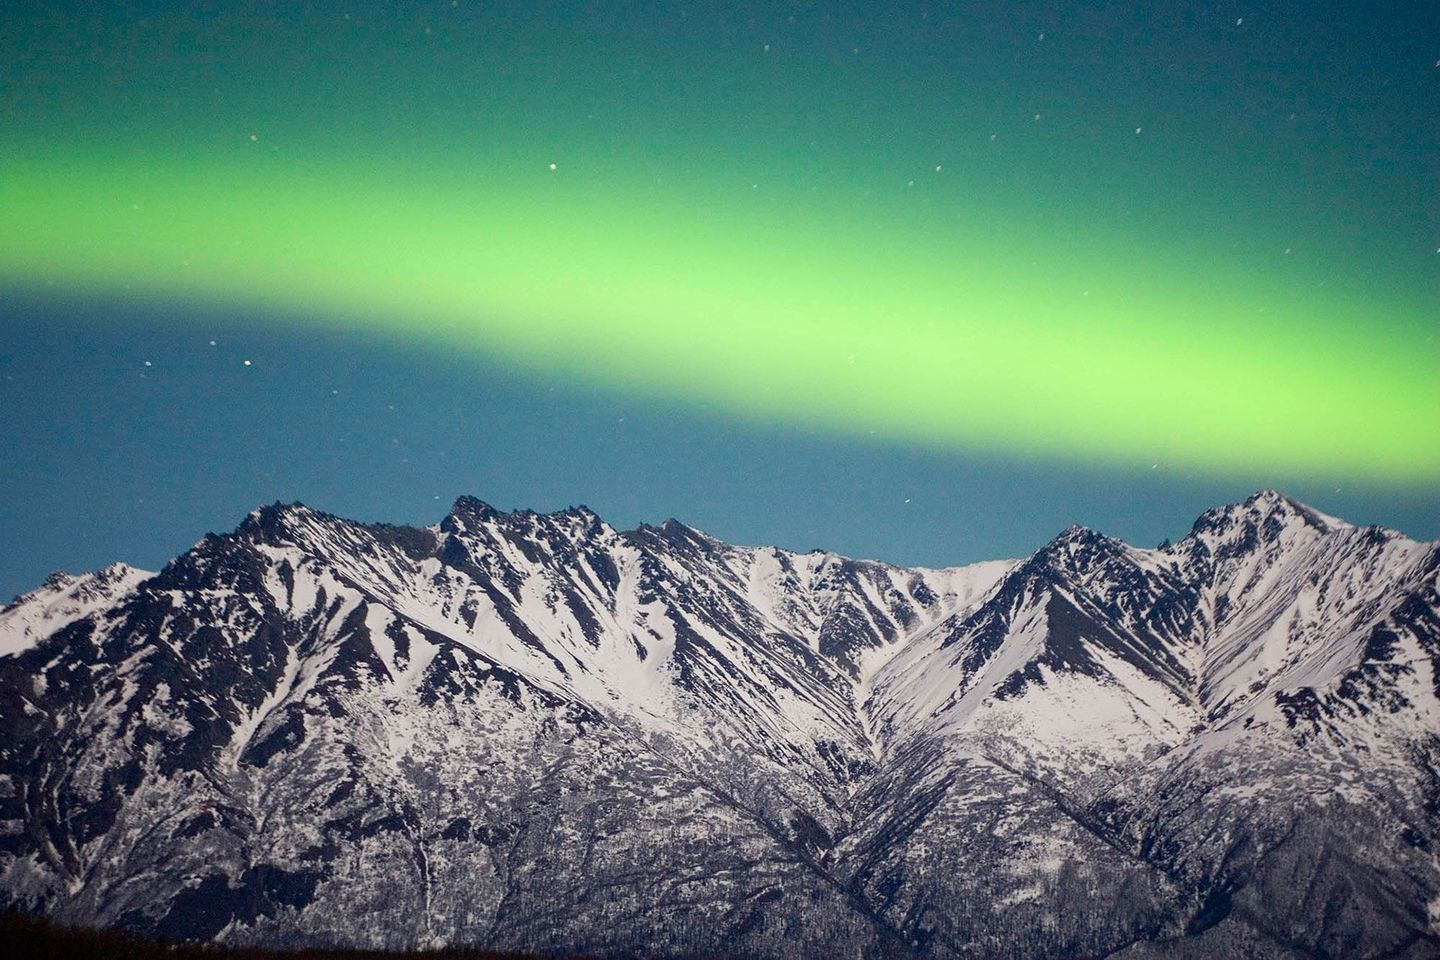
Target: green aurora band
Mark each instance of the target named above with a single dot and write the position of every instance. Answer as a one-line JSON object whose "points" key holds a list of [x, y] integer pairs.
{"points": [[931, 311]]}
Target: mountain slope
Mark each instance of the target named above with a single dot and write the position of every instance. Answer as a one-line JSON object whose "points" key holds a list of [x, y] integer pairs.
{"points": [[532, 731]]}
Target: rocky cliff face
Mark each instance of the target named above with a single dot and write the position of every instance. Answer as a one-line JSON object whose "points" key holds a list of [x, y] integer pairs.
{"points": [[534, 731]]}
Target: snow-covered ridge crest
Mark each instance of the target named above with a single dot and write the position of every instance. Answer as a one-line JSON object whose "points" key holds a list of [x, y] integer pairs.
{"points": [[61, 600], [309, 723]]}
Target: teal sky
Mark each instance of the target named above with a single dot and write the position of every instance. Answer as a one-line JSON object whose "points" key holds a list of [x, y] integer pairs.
{"points": [[1089, 240]]}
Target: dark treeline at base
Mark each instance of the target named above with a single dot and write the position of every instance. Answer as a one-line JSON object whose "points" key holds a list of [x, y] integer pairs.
{"points": [[26, 937]]}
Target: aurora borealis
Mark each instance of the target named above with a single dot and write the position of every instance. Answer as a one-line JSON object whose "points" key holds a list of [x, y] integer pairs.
{"points": [[1195, 238]]}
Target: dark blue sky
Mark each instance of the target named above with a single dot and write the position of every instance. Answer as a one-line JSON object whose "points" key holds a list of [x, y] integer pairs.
{"points": [[110, 459]]}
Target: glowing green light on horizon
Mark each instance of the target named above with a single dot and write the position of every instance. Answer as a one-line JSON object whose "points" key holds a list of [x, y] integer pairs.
{"points": [[952, 332]]}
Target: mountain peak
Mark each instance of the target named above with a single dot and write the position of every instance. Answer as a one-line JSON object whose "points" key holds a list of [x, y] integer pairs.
{"points": [[674, 532], [1268, 513], [1073, 550], [1272, 500], [579, 512], [469, 507], [466, 513], [269, 523], [1075, 538], [1267, 517]]}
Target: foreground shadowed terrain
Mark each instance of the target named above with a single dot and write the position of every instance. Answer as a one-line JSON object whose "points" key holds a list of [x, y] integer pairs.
{"points": [[535, 732], [34, 938]]}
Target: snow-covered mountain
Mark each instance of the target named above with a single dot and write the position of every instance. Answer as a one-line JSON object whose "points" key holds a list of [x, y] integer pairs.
{"points": [[520, 730]]}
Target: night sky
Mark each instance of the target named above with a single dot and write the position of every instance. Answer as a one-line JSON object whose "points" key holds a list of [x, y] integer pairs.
{"points": [[923, 281]]}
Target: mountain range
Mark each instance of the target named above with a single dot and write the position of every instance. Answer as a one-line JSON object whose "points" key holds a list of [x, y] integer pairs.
{"points": [[533, 731]]}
